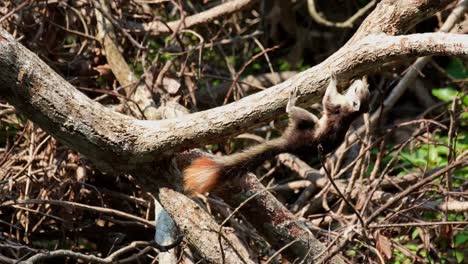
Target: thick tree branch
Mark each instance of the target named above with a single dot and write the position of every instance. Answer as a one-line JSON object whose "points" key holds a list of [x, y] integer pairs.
{"points": [[412, 73], [273, 220], [396, 17], [120, 142], [201, 230]]}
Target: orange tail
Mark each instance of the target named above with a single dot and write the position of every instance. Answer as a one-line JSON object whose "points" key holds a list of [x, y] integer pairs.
{"points": [[202, 175]]}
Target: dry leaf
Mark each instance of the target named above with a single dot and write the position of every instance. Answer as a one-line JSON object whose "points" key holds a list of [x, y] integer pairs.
{"points": [[383, 245]]}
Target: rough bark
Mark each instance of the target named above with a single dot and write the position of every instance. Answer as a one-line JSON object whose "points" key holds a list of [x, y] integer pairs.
{"points": [[200, 229], [395, 17], [273, 220], [118, 143], [121, 144]]}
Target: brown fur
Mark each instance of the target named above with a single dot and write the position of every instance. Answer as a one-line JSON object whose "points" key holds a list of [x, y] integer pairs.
{"points": [[304, 134], [202, 175]]}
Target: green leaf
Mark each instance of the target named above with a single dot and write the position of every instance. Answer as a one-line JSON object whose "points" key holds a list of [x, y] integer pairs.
{"points": [[412, 247], [461, 239], [465, 100], [415, 233], [456, 69], [351, 253], [69, 40], [414, 159], [284, 65], [433, 155], [442, 150], [459, 256], [256, 66], [445, 94]]}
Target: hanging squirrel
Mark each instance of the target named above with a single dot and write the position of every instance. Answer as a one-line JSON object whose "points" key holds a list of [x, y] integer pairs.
{"points": [[303, 136]]}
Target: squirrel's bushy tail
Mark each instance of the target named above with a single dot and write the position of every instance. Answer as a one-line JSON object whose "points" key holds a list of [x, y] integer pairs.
{"points": [[205, 173], [202, 175]]}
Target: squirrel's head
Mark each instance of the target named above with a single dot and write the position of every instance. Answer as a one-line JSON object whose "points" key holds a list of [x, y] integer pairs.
{"points": [[355, 100], [357, 96]]}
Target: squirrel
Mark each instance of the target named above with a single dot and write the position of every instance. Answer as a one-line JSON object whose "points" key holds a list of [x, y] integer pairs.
{"points": [[305, 134]]}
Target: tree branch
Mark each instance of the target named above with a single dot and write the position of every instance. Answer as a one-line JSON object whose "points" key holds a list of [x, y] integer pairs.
{"points": [[157, 28], [396, 17], [348, 23], [113, 258], [86, 207], [200, 229], [273, 220], [120, 142]]}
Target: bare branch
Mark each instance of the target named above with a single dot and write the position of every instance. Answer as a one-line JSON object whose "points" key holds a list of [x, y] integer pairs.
{"points": [[273, 220], [112, 258], [396, 17], [200, 229], [119, 142], [459, 163], [157, 28], [123, 144], [82, 207], [450, 206], [345, 24]]}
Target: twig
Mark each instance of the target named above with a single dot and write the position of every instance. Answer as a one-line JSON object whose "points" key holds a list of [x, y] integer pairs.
{"points": [[330, 245], [109, 17], [379, 226], [81, 206], [272, 257], [461, 162], [220, 234], [89, 258], [293, 185], [345, 24], [19, 7], [322, 161], [239, 73]]}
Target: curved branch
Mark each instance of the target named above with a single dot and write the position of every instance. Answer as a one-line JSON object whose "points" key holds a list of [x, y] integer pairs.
{"points": [[397, 17], [116, 142], [112, 258], [157, 28], [348, 23], [120, 142]]}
